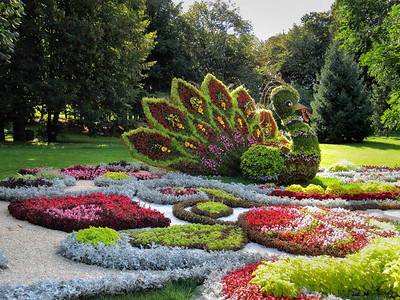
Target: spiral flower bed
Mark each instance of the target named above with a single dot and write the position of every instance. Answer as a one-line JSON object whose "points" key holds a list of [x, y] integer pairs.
{"points": [[99, 210], [314, 230]]}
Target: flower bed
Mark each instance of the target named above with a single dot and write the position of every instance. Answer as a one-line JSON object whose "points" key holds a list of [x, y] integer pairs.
{"points": [[355, 197], [99, 210], [212, 209], [80, 172], [314, 230], [237, 285], [193, 236], [13, 183]]}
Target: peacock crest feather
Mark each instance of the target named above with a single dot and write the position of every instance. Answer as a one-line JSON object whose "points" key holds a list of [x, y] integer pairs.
{"points": [[203, 131]]}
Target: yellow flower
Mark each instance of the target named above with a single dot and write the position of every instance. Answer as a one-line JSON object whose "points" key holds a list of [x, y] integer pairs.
{"points": [[164, 149], [200, 110], [223, 105], [240, 122], [187, 144], [258, 132], [220, 120]]}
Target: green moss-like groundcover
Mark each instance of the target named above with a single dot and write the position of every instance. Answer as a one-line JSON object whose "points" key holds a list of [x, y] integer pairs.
{"points": [[197, 236]]}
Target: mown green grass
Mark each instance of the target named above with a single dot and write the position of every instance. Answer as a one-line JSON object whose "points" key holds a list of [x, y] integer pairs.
{"points": [[72, 149], [375, 151]]}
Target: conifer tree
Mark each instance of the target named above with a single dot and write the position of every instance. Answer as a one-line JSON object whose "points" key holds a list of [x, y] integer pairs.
{"points": [[341, 106]]}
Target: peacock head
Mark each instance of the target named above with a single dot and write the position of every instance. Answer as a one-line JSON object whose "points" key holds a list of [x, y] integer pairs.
{"points": [[285, 100]]}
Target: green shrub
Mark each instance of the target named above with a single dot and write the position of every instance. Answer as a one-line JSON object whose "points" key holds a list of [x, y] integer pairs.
{"points": [[335, 189], [207, 237], [312, 188], [373, 270], [212, 207], [355, 190], [96, 235], [115, 175], [295, 188], [262, 162]]}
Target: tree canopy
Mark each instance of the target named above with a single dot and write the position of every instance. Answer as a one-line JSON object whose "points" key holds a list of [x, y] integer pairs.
{"points": [[11, 12]]}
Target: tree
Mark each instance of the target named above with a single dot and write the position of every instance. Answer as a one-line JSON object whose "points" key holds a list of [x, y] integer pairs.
{"points": [[305, 49], [21, 75], [221, 42], [170, 55], [299, 54], [371, 30], [88, 54], [341, 106], [11, 12]]}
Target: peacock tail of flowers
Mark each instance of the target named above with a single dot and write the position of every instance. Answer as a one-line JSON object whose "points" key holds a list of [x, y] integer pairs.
{"points": [[190, 130]]}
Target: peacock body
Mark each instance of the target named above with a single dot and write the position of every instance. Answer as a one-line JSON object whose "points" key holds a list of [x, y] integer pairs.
{"points": [[206, 131]]}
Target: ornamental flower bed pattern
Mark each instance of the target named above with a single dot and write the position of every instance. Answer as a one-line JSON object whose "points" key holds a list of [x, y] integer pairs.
{"points": [[355, 197], [237, 285], [314, 230], [99, 210]]}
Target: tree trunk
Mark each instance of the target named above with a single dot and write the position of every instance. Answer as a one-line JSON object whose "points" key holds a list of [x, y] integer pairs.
{"points": [[2, 127], [19, 130], [52, 130]]}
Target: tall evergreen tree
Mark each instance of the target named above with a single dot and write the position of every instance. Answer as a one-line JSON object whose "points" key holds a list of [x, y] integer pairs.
{"points": [[341, 106]]}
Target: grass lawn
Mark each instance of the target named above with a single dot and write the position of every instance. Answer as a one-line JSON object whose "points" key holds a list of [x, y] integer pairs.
{"points": [[71, 150], [374, 151]]}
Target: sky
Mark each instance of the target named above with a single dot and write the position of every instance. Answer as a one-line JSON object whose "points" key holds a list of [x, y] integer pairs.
{"points": [[271, 17]]}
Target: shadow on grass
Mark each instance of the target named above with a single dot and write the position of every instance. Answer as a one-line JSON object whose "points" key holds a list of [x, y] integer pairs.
{"points": [[376, 145]]}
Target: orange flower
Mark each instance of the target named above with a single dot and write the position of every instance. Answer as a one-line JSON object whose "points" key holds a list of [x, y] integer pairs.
{"points": [[164, 149], [200, 110], [220, 120], [187, 144], [180, 126], [223, 105]]}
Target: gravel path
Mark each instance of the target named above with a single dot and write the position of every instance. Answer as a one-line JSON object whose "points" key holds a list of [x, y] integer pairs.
{"points": [[31, 250]]}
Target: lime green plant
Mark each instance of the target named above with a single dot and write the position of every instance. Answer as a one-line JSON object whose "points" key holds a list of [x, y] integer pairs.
{"points": [[373, 270], [96, 235], [313, 188], [212, 207], [335, 189], [295, 188], [116, 175], [220, 194], [207, 237]]}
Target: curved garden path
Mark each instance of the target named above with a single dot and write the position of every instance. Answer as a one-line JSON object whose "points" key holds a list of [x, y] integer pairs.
{"points": [[31, 251]]}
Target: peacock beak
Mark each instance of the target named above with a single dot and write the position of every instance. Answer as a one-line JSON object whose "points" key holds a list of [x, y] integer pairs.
{"points": [[299, 106]]}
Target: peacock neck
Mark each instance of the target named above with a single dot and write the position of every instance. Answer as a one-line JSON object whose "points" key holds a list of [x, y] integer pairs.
{"points": [[304, 139]]}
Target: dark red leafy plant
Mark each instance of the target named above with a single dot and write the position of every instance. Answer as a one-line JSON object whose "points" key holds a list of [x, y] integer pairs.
{"points": [[12, 183], [99, 210]]}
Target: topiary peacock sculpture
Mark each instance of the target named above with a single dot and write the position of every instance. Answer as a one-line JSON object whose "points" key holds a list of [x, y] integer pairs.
{"points": [[210, 131]]}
